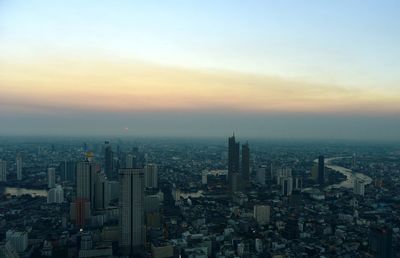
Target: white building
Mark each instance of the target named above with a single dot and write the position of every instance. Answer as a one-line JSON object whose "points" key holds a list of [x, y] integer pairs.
{"points": [[151, 176], [131, 205], [262, 214], [55, 195], [359, 187], [3, 171], [51, 177], [18, 239]]}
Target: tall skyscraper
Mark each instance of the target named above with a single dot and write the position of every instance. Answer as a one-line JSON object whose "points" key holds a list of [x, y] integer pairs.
{"points": [[68, 170], [246, 164], [131, 205], [101, 192], [380, 241], [85, 180], [55, 195], [321, 170], [19, 166], [108, 161], [233, 160], [151, 176], [3, 171], [51, 178]]}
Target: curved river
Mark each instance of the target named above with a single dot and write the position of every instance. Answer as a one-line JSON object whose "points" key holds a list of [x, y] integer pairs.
{"points": [[350, 175]]}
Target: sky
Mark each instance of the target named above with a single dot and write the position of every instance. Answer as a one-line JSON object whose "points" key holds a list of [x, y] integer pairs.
{"points": [[265, 69]]}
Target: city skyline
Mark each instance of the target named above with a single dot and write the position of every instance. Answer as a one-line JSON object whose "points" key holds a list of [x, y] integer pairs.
{"points": [[310, 70]]}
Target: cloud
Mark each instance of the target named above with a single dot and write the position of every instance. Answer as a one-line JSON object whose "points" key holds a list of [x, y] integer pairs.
{"points": [[56, 85]]}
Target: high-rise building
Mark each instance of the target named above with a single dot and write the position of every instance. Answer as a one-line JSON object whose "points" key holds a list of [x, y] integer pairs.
{"points": [[85, 180], [287, 186], [233, 160], [262, 214], [151, 176], [86, 172], [321, 170], [101, 192], [359, 187], [380, 241], [131, 205], [108, 161], [51, 178], [3, 171], [246, 164], [19, 166], [68, 170], [55, 195]]}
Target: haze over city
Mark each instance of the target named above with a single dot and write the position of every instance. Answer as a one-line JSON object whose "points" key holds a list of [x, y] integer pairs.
{"points": [[266, 69]]}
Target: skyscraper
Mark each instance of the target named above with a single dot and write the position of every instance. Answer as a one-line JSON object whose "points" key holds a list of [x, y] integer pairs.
{"points": [[233, 160], [85, 180], [101, 192], [380, 241], [151, 176], [3, 171], [321, 170], [131, 205], [108, 161], [68, 170], [359, 187], [19, 166], [246, 164], [51, 178]]}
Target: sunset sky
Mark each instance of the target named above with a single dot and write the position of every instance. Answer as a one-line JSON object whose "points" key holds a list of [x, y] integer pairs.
{"points": [[269, 69]]}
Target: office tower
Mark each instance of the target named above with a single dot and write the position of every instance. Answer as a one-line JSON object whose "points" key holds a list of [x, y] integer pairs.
{"points": [[101, 192], [321, 170], [151, 176], [19, 166], [260, 175], [292, 228], [3, 171], [359, 187], [380, 241], [85, 180], [51, 177], [131, 205], [233, 160], [262, 214], [55, 195], [246, 164], [108, 161], [18, 239], [68, 170], [287, 186]]}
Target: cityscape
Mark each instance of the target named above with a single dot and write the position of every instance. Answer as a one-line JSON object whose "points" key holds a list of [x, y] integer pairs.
{"points": [[199, 129], [198, 198]]}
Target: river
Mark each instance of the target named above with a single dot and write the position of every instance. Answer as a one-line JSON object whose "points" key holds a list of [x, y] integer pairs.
{"points": [[21, 191], [350, 175]]}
